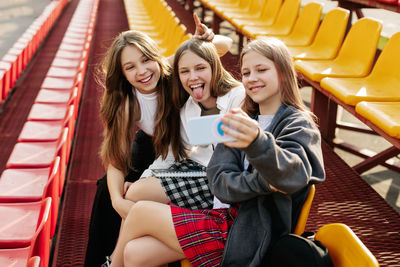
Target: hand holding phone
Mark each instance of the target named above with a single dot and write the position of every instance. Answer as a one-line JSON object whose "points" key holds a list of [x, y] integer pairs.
{"points": [[207, 130]]}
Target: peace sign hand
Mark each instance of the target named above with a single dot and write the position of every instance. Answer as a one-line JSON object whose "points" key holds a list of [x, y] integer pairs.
{"points": [[202, 31]]}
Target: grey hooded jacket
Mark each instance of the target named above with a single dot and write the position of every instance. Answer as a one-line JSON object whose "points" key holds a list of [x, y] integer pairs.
{"points": [[288, 156]]}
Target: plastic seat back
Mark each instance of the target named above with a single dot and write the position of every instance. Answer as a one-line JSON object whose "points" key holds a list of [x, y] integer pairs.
{"points": [[306, 25], [331, 32], [359, 47], [387, 65], [270, 11], [345, 248], [286, 17], [305, 211]]}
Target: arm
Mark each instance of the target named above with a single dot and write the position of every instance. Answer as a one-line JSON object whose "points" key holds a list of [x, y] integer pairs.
{"points": [[222, 44], [115, 182]]}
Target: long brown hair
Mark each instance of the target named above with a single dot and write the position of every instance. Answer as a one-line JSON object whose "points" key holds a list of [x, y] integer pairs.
{"points": [[119, 107], [276, 51], [221, 83]]}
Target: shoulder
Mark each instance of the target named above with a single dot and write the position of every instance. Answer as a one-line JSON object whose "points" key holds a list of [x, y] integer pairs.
{"points": [[232, 99], [238, 90], [292, 115]]}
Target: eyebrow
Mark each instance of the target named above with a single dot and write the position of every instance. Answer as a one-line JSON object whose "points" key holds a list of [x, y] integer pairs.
{"points": [[130, 62], [197, 65]]}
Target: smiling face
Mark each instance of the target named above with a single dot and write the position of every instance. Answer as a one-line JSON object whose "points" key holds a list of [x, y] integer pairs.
{"points": [[142, 72], [195, 75], [261, 79]]}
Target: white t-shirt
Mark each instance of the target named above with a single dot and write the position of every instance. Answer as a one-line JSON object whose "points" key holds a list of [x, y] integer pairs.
{"points": [[263, 121], [148, 108]]}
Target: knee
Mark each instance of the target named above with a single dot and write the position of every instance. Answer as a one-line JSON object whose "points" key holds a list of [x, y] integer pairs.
{"points": [[134, 191], [134, 254], [138, 211]]}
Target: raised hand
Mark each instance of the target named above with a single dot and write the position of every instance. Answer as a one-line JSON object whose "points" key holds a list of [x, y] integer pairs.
{"points": [[202, 31], [242, 127]]}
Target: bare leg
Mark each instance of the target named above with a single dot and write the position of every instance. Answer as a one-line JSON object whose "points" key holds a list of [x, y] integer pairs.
{"points": [[147, 189], [147, 218], [148, 251]]}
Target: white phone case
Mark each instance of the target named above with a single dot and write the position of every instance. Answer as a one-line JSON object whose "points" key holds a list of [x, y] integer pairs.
{"points": [[207, 130]]}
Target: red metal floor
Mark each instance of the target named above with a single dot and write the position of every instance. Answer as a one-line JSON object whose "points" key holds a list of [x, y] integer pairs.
{"points": [[85, 167]]}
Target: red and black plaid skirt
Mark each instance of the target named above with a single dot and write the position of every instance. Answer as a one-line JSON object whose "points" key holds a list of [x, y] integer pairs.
{"points": [[202, 234]]}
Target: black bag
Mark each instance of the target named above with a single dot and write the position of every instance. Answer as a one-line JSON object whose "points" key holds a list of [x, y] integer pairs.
{"points": [[297, 251]]}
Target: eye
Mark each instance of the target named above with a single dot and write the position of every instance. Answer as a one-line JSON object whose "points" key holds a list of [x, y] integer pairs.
{"points": [[129, 67], [245, 73], [183, 71], [201, 68], [146, 59], [262, 69]]}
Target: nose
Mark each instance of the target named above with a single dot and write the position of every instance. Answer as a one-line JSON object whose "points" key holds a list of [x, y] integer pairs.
{"points": [[252, 76], [140, 69], [192, 75]]}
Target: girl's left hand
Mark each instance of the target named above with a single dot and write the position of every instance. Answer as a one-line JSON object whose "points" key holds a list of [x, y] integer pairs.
{"points": [[202, 31], [246, 129]]}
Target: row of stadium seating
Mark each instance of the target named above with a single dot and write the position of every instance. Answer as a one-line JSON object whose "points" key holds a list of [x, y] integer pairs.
{"points": [[156, 19], [14, 62], [31, 185]]}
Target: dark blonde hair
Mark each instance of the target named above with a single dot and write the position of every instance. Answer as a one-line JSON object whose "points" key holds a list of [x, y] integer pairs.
{"points": [[119, 107], [276, 51]]}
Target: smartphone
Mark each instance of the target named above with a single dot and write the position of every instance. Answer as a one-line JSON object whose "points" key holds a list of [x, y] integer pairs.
{"points": [[207, 130]]}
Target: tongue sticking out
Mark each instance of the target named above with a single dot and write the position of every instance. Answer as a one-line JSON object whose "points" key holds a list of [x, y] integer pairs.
{"points": [[198, 92]]}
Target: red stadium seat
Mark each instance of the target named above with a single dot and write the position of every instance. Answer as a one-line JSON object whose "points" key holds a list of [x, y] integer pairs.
{"points": [[25, 225], [28, 185]]}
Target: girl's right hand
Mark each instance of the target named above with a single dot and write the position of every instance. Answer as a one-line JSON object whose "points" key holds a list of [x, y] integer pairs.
{"points": [[245, 129]]}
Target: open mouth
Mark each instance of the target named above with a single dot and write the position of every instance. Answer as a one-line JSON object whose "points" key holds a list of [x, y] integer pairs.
{"points": [[147, 79], [198, 90], [255, 89]]}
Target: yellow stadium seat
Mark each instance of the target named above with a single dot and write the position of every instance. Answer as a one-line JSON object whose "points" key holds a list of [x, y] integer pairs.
{"points": [[381, 85], [267, 17], [283, 24], [328, 39], [254, 10], [345, 248], [305, 211], [355, 57], [305, 27], [243, 7], [385, 115], [227, 5]]}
